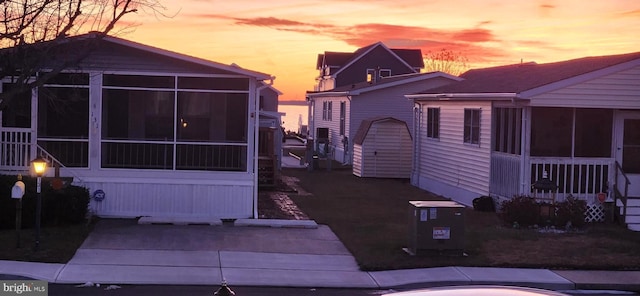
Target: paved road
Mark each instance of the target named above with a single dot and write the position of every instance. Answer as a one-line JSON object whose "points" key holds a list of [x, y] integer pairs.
{"points": [[144, 290], [70, 290]]}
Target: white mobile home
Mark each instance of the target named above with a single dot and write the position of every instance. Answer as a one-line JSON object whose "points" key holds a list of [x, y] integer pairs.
{"points": [[154, 132], [500, 129]]}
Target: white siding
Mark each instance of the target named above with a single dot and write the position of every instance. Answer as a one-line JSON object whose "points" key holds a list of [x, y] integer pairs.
{"points": [[618, 90], [333, 125], [386, 151], [448, 161], [135, 199], [389, 102]]}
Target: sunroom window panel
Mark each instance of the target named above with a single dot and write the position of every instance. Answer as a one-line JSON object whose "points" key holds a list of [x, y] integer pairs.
{"points": [[237, 106], [137, 114], [551, 132], [507, 130], [63, 112], [594, 129], [197, 118], [212, 117], [63, 124], [18, 109]]}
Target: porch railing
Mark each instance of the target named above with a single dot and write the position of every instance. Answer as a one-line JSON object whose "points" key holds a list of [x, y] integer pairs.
{"points": [[621, 195], [15, 149], [583, 178]]}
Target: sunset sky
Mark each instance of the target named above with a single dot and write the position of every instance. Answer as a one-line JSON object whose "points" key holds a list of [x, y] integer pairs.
{"points": [[284, 37]]}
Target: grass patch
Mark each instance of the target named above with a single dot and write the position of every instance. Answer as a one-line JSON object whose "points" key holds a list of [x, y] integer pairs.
{"points": [[58, 244], [370, 216]]}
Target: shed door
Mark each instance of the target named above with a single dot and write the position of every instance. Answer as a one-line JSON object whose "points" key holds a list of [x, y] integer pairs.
{"points": [[628, 150]]}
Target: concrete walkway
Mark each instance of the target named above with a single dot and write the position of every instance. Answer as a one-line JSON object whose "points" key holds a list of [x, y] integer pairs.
{"points": [[268, 253]]}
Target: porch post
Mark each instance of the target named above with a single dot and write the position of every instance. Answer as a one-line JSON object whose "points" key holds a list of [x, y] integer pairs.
{"points": [[33, 147], [525, 138]]}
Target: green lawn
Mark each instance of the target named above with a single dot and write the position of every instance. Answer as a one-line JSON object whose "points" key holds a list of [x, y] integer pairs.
{"points": [[370, 216], [57, 244]]}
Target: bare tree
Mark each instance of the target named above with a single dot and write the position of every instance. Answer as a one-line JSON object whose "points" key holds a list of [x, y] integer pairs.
{"points": [[34, 33], [447, 61]]}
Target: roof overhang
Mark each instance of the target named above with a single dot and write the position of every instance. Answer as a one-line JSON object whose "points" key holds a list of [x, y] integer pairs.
{"points": [[410, 79], [465, 97], [271, 114], [311, 95]]}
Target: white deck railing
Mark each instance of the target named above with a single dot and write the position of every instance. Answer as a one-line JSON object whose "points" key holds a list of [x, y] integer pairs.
{"points": [[583, 178], [16, 150]]}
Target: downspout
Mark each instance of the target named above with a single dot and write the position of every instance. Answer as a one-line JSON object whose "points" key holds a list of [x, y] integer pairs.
{"points": [[525, 138], [417, 125], [256, 133], [350, 138]]}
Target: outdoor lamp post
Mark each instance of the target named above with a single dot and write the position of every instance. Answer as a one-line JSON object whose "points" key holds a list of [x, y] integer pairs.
{"points": [[39, 166]]}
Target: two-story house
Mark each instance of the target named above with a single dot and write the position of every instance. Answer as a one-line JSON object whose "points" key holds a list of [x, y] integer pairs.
{"points": [[355, 87]]}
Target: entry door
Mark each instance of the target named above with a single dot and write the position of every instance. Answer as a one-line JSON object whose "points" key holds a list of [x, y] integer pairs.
{"points": [[628, 150]]}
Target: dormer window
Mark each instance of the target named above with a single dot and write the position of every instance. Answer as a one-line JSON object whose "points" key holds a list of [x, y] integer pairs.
{"points": [[371, 75], [374, 74]]}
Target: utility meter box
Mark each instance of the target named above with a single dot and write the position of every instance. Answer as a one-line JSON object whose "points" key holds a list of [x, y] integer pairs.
{"points": [[436, 226]]}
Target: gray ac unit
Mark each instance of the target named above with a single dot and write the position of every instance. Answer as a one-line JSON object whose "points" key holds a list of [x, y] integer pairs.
{"points": [[436, 226]]}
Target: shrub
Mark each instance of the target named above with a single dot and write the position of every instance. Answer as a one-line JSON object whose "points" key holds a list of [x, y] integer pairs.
{"points": [[520, 210], [65, 206], [570, 211]]}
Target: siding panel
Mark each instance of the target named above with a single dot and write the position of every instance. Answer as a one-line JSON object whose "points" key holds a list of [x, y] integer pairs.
{"points": [[618, 90], [448, 159], [174, 200]]}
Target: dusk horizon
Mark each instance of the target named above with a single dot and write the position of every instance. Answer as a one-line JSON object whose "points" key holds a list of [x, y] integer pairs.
{"points": [[283, 37]]}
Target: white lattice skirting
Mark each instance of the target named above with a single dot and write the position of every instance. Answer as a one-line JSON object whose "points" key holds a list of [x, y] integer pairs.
{"points": [[594, 213]]}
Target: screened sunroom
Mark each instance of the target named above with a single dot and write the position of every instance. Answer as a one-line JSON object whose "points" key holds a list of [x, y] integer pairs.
{"points": [[158, 132]]}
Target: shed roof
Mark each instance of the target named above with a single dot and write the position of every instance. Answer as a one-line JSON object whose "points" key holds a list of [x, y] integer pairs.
{"points": [[366, 124]]}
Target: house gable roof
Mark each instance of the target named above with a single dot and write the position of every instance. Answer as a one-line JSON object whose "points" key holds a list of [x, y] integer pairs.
{"points": [[170, 54], [528, 79], [366, 124], [384, 82], [412, 58], [79, 50], [333, 59]]}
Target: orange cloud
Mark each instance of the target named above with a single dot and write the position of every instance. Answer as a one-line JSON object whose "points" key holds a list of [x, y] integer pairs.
{"points": [[468, 42], [632, 13]]}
